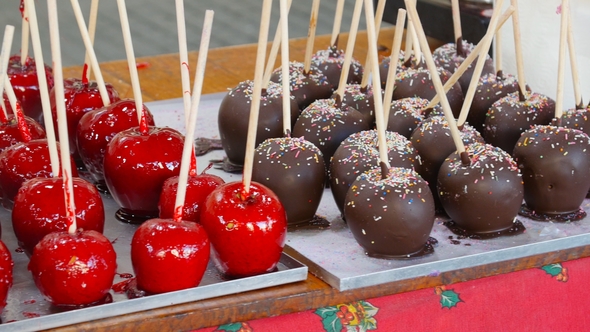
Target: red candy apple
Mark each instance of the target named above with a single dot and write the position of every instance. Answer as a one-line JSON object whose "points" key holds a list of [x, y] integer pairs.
{"points": [[136, 166], [25, 82], [10, 132], [74, 270], [168, 255], [197, 190], [247, 231], [80, 98], [21, 162], [6, 265], [39, 209], [97, 128]]}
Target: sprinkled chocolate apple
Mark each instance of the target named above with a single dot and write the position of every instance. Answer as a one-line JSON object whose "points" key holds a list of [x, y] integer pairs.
{"points": [[330, 62], [306, 87]]}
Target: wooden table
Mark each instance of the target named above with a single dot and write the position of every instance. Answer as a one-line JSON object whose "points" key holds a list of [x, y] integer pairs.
{"points": [[226, 67]]}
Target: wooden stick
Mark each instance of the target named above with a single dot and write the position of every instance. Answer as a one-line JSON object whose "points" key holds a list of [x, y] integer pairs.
{"points": [[356, 16], [24, 42], [102, 88], [143, 128], [4, 58], [274, 51], [486, 42], [395, 50], [411, 8], [372, 37], [565, 10], [574, 63], [337, 23], [62, 123], [518, 50], [409, 41], [188, 150], [378, 18], [456, 20], [313, 22], [43, 88], [417, 47], [185, 70], [470, 58], [284, 29], [91, 32], [256, 92], [498, 50], [23, 128]]}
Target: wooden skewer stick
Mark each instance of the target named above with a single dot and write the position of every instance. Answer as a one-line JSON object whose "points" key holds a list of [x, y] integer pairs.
{"points": [[372, 37], [256, 92], [43, 88], [378, 18], [23, 128], [456, 12], [284, 32], [24, 42], [486, 42], [565, 11], [468, 60], [188, 149], [143, 127], [409, 41], [415, 19], [102, 88], [62, 124], [274, 51], [91, 32], [498, 51], [356, 16], [337, 22], [185, 70], [5, 57], [391, 73], [574, 63], [518, 51], [313, 22]]}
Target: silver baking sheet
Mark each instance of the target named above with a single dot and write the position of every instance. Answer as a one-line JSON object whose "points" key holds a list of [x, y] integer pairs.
{"points": [[26, 310]]}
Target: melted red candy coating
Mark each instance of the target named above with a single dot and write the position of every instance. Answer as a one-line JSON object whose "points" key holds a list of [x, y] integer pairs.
{"points": [[247, 235], [73, 270], [39, 209], [97, 128], [26, 85], [6, 265], [10, 133], [80, 98], [136, 166], [197, 189], [169, 255]]}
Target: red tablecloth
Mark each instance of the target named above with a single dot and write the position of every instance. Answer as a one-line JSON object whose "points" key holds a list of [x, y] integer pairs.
{"points": [[553, 298]]}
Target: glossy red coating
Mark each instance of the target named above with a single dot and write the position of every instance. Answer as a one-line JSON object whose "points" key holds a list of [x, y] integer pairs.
{"points": [[25, 82], [197, 189], [136, 166], [97, 128], [80, 98], [74, 270], [23, 161], [169, 255], [6, 266], [39, 209], [10, 133], [247, 235]]}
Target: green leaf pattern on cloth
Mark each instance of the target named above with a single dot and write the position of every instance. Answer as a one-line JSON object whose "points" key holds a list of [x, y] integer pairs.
{"points": [[355, 316], [448, 298], [557, 271]]}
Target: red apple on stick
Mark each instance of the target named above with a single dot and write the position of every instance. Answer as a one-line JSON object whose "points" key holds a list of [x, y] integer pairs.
{"points": [[10, 133], [6, 266]]}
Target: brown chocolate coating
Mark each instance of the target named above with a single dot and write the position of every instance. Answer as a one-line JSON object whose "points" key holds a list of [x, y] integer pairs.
{"points": [[447, 57], [490, 88], [361, 99], [392, 217], [406, 114], [509, 117], [326, 125], [555, 166], [330, 62], [433, 141], [305, 87], [576, 119], [360, 153], [402, 65], [485, 196], [294, 170], [234, 114], [417, 82]]}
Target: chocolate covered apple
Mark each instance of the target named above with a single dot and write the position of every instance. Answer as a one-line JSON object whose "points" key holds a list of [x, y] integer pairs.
{"points": [[330, 62], [306, 86], [406, 114], [39, 209], [361, 99]]}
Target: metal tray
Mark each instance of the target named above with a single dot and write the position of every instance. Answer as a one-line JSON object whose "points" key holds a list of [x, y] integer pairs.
{"points": [[27, 310]]}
